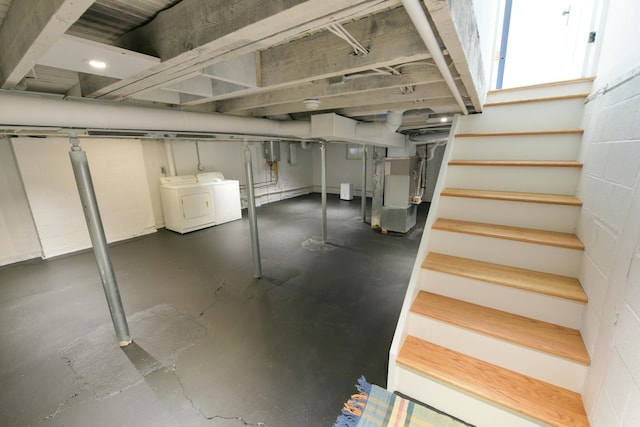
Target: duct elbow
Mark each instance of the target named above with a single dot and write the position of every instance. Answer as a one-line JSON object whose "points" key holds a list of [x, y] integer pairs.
{"points": [[394, 120], [377, 130]]}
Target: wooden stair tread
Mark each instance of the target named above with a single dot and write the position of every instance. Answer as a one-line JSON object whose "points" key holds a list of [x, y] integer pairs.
{"points": [[552, 199], [542, 336], [519, 278], [530, 100], [542, 85], [526, 133], [537, 399], [542, 237], [532, 163]]}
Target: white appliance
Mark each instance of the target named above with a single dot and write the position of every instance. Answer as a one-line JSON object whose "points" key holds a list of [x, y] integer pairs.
{"points": [[226, 196], [191, 204], [346, 191]]}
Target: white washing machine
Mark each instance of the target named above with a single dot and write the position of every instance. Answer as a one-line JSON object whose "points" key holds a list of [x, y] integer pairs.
{"points": [[191, 202]]}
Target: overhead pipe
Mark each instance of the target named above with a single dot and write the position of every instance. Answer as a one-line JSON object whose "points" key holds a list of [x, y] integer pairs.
{"points": [[420, 21], [68, 112]]}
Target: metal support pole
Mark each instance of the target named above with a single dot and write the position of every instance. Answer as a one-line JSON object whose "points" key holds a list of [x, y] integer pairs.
{"points": [[363, 207], [98, 240], [323, 167], [253, 219]]}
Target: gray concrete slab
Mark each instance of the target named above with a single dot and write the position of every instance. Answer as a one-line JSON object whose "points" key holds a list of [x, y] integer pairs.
{"points": [[212, 345]]}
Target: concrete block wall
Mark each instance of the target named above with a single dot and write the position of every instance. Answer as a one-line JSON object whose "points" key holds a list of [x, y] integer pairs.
{"points": [[610, 228]]}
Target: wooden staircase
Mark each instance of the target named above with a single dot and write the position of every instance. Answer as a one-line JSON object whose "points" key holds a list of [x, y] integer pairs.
{"points": [[489, 331]]}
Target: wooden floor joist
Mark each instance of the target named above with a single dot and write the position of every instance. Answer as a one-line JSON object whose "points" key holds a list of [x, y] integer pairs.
{"points": [[542, 336], [525, 395], [551, 199], [541, 237], [519, 278]]}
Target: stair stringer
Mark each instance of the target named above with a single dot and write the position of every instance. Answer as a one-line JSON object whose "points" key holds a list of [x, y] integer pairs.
{"points": [[401, 332]]}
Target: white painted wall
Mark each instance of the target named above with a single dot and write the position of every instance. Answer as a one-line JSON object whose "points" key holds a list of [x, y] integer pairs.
{"points": [[340, 169], [18, 236], [119, 177], [610, 226], [227, 157]]}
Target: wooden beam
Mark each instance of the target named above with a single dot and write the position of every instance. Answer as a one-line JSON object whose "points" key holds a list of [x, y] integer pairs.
{"points": [[324, 88], [30, 28], [219, 30], [440, 106], [382, 97], [389, 36], [455, 23]]}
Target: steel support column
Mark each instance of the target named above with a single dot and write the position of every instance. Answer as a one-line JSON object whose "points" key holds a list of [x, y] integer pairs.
{"points": [[363, 206], [323, 167], [253, 219], [98, 240]]}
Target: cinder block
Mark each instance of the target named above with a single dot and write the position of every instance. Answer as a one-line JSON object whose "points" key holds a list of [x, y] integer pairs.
{"points": [[594, 283], [627, 342], [623, 163], [617, 384]]}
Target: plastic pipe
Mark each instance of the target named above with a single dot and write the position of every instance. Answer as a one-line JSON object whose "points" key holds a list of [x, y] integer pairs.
{"points": [[98, 241], [420, 21], [253, 219]]}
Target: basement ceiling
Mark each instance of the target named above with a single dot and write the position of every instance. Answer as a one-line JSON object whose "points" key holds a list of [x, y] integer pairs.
{"points": [[278, 59]]}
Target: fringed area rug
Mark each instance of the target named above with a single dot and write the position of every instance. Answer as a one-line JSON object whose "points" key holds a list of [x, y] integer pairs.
{"points": [[374, 406]]}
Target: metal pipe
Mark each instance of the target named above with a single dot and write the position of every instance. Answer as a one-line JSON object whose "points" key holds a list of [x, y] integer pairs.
{"points": [[70, 112], [363, 206], [420, 21], [253, 219], [98, 240], [323, 167]]}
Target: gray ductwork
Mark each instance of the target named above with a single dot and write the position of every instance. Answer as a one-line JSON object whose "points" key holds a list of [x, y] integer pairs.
{"points": [[20, 110]]}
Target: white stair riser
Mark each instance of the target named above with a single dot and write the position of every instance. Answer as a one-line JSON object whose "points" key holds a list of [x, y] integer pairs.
{"points": [[528, 147], [548, 259], [531, 116], [549, 91], [534, 305], [539, 216], [543, 366], [458, 403], [551, 180]]}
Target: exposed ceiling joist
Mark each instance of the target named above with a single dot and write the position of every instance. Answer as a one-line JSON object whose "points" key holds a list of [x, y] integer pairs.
{"points": [[375, 97], [218, 30], [22, 45], [341, 87]]}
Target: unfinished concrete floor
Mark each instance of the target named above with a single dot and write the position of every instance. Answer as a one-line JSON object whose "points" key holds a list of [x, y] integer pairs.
{"points": [[212, 346]]}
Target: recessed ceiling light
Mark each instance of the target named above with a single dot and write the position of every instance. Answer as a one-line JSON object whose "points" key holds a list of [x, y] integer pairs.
{"points": [[96, 63], [444, 119]]}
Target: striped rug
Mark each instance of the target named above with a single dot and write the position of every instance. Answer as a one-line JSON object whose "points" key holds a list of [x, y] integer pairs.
{"points": [[374, 406]]}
